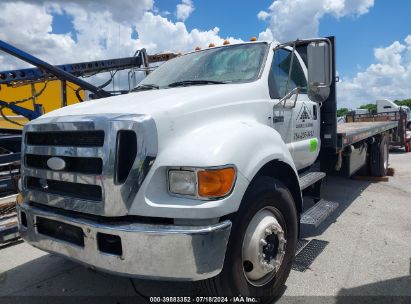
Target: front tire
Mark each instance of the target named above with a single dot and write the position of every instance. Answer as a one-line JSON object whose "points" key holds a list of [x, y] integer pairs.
{"points": [[262, 244]]}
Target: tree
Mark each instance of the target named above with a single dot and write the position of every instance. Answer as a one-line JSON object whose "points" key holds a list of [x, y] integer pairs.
{"points": [[404, 102], [342, 112], [371, 107]]}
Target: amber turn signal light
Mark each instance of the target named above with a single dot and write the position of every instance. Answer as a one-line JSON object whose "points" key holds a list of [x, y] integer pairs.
{"points": [[216, 182], [19, 199]]}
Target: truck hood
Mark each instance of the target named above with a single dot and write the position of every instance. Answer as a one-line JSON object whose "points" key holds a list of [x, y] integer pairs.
{"points": [[179, 111], [166, 101]]}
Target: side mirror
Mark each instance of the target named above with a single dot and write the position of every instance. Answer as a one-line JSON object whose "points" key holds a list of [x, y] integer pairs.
{"points": [[319, 70]]}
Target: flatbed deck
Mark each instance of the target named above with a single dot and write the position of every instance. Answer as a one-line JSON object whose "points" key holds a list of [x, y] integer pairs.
{"points": [[352, 132]]}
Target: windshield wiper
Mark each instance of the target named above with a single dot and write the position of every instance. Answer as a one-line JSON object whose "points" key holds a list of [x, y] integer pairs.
{"points": [[142, 87], [193, 82]]}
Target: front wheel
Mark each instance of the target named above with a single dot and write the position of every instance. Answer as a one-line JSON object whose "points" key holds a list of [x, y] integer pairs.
{"points": [[262, 244]]}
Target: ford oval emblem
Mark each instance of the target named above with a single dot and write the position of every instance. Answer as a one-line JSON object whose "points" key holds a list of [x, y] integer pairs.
{"points": [[56, 163]]}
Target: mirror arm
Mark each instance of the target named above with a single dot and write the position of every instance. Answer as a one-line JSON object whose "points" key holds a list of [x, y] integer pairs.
{"points": [[291, 67], [295, 91]]}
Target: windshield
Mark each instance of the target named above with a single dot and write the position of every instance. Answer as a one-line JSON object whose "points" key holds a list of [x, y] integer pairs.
{"points": [[229, 64]]}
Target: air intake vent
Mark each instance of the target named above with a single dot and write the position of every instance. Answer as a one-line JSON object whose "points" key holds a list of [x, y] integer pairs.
{"points": [[80, 191], [61, 231], [66, 138], [126, 154]]}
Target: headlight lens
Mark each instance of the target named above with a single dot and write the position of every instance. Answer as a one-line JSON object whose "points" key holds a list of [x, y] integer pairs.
{"points": [[202, 183], [182, 182]]}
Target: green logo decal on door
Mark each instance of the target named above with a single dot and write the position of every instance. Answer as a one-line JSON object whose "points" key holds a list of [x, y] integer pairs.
{"points": [[313, 144]]}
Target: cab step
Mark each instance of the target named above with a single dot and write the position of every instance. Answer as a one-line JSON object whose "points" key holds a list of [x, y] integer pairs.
{"points": [[310, 178], [8, 233], [313, 217]]}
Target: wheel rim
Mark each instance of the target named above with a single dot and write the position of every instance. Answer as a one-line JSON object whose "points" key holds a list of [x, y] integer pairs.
{"points": [[263, 247]]}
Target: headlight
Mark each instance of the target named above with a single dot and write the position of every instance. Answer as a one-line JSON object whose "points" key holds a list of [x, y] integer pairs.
{"points": [[201, 182], [182, 182]]}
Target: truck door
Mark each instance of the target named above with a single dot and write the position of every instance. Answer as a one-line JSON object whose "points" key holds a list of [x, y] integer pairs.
{"points": [[296, 119]]}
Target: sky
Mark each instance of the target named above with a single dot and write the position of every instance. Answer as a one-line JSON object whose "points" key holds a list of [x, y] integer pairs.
{"points": [[373, 36]]}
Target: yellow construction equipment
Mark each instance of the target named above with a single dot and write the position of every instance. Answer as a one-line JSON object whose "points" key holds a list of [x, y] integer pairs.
{"points": [[50, 99]]}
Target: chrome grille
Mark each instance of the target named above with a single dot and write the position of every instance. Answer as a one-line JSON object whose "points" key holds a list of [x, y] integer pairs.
{"points": [[87, 165], [75, 190], [88, 145], [66, 138]]}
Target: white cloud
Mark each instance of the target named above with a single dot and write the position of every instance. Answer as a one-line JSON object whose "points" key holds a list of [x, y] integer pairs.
{"points": [[101, 29], [289, 20], [35, 37], [171, 36], [126, 12], [389, 77], [263, 15], [267, 35], [184, 9]]}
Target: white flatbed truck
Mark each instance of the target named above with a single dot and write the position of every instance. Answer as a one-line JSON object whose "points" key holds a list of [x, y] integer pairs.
{"points": [[199, 174], [385, 106]]}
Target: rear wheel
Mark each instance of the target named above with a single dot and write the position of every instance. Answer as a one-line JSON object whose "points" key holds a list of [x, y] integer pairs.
{"points": [[262, 244], [379, 156]]}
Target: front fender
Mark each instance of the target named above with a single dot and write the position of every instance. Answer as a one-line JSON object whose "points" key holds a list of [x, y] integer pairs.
{"points": [[247, 145]]}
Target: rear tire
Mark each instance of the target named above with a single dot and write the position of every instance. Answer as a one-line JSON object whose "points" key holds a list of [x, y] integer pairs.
{"points": [[266, 198], [379, 156]]}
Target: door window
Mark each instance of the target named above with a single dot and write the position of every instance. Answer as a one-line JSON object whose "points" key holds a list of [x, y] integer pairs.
{"points": [[278, 77]]}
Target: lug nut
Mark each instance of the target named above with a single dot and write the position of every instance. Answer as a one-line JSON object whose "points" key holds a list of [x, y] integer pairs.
{"points": [[263, 242], [262, 263]]}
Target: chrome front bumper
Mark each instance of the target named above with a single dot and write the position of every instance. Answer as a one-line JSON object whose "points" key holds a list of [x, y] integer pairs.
{"points": [[166, 252]]}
